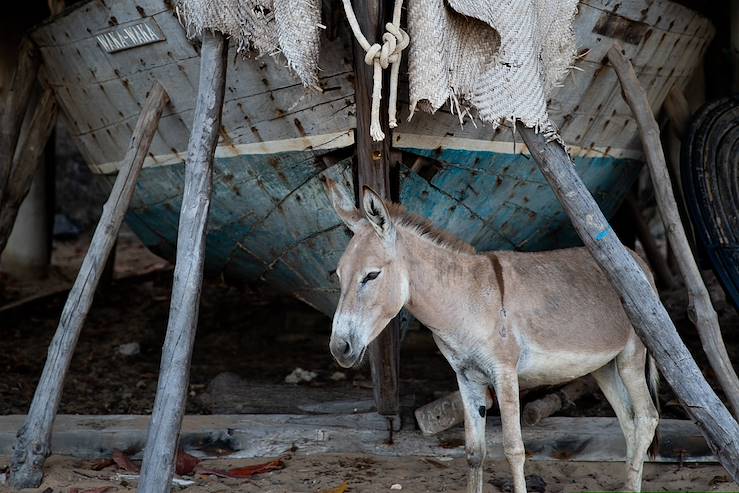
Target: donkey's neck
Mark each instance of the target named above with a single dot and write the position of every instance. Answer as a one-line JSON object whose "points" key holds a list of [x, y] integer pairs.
{"points": [[449, 290]]}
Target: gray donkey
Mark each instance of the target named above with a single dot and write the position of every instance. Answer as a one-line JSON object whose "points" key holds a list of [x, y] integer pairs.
{"points": [[507, 319]]}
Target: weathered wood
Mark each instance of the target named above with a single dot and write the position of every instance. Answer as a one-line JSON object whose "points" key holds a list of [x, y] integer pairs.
{"points": [[535, 411], [33, 444], [582, 439], [14, 109], [700, 308], [228, 393], [642, 305], [373, 170], [174, 374], [662, 272], [444, 413], [27, 162]]}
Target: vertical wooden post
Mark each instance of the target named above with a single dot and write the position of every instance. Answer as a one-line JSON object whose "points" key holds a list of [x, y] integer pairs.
{"points": [[640, 301], [700, 309], [33, 443], [373, 170], [26, 163], [174, 374], [14, 108]]}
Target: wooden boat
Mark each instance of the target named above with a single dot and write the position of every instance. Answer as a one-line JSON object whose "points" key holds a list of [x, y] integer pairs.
{"points": [[270, 218]]}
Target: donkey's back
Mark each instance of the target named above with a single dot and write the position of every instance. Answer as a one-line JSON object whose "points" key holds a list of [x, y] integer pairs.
{"points": [[567, 316]]}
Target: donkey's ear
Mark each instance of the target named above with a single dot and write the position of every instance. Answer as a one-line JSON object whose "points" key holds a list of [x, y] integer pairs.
{"points": [[377, 214], [343, 204]]}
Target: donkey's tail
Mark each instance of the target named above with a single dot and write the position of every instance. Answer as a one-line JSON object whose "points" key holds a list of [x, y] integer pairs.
{"points": [[653, 384]]}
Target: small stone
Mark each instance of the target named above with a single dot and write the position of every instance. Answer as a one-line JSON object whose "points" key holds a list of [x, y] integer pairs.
{"points": [[129, 349], [338, 376], [396, 486], [299, 375]]}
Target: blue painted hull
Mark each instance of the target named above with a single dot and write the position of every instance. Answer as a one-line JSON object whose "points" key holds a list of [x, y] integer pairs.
{"points": [[270, 218]]}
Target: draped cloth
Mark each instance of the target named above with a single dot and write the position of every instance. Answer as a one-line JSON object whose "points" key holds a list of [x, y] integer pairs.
{"points": [[500, 58], [497, 60]]}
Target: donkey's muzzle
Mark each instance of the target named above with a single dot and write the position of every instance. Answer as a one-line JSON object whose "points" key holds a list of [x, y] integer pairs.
{"points": [[344, 352]]}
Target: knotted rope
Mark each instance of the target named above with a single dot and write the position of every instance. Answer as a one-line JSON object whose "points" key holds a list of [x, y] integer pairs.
{"points": [[394, 41]]}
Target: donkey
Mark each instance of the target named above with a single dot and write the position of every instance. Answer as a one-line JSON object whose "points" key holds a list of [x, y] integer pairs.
{"points": [[508, 319]]}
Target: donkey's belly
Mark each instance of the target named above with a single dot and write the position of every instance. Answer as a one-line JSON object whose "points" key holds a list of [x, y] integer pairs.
{"points": [[536, 368]]}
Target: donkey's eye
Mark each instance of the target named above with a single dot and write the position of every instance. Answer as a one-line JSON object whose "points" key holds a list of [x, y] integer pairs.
{"points": [[370, 276]]}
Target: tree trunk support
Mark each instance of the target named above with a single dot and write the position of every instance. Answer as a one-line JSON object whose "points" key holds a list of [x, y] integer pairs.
{"points": [[373, 165], [12, 112], [169, 407], [640, 301], [700, 309], [27, 162], [33, 443]]}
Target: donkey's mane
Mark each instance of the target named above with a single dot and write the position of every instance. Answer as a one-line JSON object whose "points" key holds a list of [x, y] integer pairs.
{"points": [[425, 229]]}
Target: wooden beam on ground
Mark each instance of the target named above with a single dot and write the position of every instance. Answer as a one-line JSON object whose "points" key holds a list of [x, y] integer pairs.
{"points": [[14, 109], [444, 413], [700, 308], [535, 411], [641, 303], [174, 373], [33, 443], [270, 435], [27, 162], [373, 170]]}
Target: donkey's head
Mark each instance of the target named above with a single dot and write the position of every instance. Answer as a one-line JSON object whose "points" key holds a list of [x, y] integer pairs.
{"points": [[373, 277]]}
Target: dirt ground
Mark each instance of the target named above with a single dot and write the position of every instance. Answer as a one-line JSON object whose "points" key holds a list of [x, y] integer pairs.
{"points": [[364, 474], [262, 336]]}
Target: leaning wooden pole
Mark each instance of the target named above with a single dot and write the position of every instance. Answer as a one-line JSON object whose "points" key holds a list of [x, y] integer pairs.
{"points": [[27, 162], [14, 108], [700, 308], [640, 301], [373, 170], [32, 445], [174, 374]]}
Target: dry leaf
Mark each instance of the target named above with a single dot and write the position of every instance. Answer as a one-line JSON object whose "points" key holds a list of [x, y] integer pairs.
{"points": [[339, 489], [123, 462], [246, 471], [185, 463]]}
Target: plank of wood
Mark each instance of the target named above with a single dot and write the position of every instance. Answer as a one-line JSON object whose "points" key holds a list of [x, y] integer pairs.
{"points": [[642, 305], [169, 407], [373, 170], [700, 308], [14, 109], [535, 411], [27, 162], [582, 439], [33, 444]]}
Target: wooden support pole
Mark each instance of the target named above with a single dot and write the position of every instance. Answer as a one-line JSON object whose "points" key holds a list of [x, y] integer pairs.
{"points": [[14, 109], [27, 162], [700, 308], [174, 374], [33, 442], [640, 301], [373, 170]]}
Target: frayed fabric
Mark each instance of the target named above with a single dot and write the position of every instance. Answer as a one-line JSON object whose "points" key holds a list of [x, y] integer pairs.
{"points": [[269, 27]]}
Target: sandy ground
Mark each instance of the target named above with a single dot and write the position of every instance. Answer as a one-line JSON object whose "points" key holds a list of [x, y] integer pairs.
{"points": [[325, 473]]}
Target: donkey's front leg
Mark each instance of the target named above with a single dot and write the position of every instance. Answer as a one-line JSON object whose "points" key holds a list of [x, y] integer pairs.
{"points": [[473, 398], [506, 389]]}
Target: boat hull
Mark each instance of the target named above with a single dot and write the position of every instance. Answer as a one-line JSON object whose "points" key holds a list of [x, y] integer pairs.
{"points": [[270, 218]]}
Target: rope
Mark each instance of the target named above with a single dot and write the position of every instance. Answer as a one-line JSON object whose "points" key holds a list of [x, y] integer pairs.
{"points": [[394, 41]]}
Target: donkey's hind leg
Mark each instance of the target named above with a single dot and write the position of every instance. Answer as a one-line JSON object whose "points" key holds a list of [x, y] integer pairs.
{"points": [[473, 398], [613, 388], [631, 367]]}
